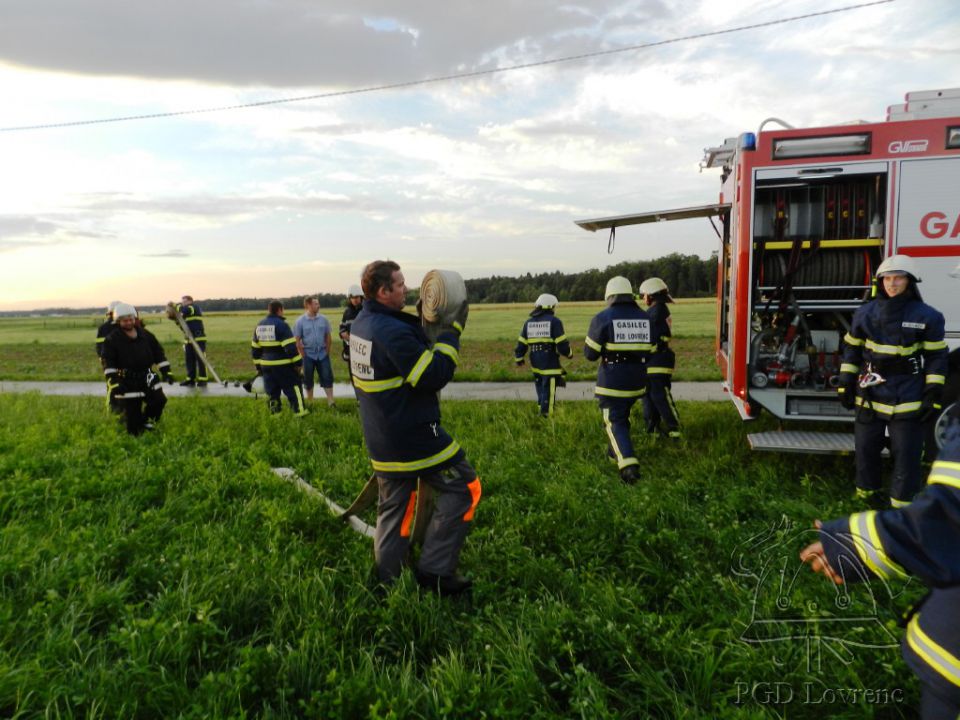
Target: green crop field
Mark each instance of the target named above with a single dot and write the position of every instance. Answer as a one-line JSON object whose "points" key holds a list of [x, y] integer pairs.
{"points": [[62, 348], [176, 576]]}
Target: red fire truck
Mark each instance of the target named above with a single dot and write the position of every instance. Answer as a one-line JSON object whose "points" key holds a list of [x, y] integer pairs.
{"points": [[805, 217]]}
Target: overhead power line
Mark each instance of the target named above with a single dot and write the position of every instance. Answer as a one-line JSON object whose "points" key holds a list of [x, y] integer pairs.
{"points": [[447, 78]]}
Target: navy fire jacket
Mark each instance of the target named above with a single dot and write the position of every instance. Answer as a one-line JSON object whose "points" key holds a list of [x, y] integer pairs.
{"points": [[622, 338], [397, 376], [274, 344], [191, 314], [542, 333], [662, 360], [921, 539], [902, 339]]}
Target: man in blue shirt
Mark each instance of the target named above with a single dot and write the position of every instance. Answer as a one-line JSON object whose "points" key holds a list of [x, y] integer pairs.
{"points": [[312, 331]]}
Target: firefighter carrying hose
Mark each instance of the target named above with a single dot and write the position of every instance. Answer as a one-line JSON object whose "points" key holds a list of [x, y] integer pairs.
{"points": [[893, 370], [621, 337], [129, 354], [658, 403], [192, 315], [922, 539], [397, 375], [543, 335]]}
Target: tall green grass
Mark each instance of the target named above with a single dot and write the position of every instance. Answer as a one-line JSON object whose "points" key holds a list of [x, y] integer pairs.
{"points": [[176, 576]]}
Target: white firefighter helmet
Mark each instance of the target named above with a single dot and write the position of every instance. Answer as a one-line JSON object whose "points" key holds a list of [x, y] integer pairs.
{"points": [[651, 286], [122, 309], [546, 300], [618, 285], [898, 265], [354, 291], [110, 308]]}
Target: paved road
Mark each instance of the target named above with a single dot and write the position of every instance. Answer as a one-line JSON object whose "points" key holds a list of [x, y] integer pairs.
{"points": [[704, 391]]}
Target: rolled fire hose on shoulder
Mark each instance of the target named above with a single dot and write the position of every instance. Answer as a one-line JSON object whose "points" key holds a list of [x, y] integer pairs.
{"points": [[442, 293]]}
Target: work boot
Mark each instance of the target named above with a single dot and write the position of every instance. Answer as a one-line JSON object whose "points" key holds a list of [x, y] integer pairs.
{"points": [[873, 499], [443, 585], [187, 383], [201, 383], [630, 474]]}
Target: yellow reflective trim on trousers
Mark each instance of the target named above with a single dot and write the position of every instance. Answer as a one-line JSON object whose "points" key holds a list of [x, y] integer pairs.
{"points": [[628, 347], [412, 465], [903, 350], [301, 408], [426, 357], [449, 350], [590, 342], [622, 461], [889, 409], [935, 380], [285, 361], [945, 473], [934, 344], [937, 657], [866, 541], [659, 370], [375, 386], [851, 340], [548, 371], [849, 368], [610, 392]]}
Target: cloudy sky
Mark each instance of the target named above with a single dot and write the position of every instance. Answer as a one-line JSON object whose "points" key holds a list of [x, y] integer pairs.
{"points": [[483, 176]]}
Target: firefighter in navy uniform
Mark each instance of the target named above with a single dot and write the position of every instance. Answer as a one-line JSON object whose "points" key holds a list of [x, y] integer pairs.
{"points": [[129, 354], [196, 369], [274, 351], [621, 337], [350, 312], [922, 539], [398, 375], [543, 335], [893, 371], [658, 405], [105, 328]]}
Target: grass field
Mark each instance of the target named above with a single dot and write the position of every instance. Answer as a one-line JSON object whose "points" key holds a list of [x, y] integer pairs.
{"points": [[62, 348], [176, 576]]}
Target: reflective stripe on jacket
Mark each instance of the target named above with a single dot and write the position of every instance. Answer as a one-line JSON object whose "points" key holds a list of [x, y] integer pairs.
{"points": [[902, 338], [191, 315], [622, 338], [274, 344], [921, 539], [662, 359], [397, 376], [542, 334]]}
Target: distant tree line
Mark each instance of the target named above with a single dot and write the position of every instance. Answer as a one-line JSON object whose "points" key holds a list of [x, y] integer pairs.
{"points": [[686, 276]]}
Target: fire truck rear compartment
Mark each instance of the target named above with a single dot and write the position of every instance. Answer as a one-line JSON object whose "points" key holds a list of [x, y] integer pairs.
{"points": [[817, 240]]}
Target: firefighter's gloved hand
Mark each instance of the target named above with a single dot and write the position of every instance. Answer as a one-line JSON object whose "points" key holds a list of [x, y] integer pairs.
{"points": [[930, 407], [459, 321], [848, 393]]}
